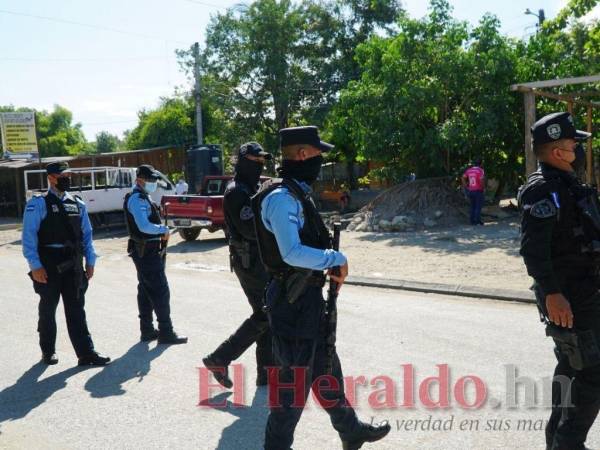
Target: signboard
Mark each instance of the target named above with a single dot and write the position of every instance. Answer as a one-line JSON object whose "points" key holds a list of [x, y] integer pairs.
{"points": [[18, 132]]}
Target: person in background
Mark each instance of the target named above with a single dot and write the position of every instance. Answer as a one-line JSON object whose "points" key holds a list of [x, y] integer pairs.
{"points": [[473, 180], [181, 188]]}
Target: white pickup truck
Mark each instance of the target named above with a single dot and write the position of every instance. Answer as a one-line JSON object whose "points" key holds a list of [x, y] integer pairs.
{"points": [[103, 189]]}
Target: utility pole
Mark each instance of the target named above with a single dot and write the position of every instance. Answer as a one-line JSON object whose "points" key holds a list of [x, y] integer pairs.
{"points": [[198, 94], [541, 15]]}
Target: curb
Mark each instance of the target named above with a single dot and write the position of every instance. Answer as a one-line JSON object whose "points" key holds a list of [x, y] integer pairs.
{"points": [[10, 226], [445, 289]]}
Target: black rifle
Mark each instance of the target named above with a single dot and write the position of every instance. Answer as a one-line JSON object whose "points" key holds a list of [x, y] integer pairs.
{"points": [[163, 242], [331, 307]]}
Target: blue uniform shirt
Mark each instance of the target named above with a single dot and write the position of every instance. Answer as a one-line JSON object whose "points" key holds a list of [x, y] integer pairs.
{"points": [[35, 212], [141, 210], [283, 216]]}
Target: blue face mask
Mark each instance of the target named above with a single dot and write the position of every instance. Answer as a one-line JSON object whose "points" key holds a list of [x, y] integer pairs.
{"points": [[150, 187]]}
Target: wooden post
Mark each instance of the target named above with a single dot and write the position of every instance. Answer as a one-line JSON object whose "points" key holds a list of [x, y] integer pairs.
{"points": [[589, 174], [18, 194], [530, 159], [570, 107]]}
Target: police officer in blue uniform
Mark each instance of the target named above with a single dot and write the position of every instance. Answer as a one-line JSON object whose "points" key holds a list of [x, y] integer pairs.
{"points": [[245, 262], [560, 244], [295, 246], [57, 235], [147, 242]]}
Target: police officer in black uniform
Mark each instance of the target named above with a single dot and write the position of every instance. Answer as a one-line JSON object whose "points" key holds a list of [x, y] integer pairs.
{"points": [[245, 261], [295, 246], [57, 236], [560, 244], [147, 243]]}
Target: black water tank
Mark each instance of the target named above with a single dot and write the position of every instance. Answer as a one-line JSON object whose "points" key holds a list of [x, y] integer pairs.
{"points": [[203, 160]]}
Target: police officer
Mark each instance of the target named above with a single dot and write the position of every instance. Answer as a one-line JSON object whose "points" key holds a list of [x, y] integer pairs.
{"points": [[560, 233], [57, 235], [146, 246], [295, 246], [245, 261]]}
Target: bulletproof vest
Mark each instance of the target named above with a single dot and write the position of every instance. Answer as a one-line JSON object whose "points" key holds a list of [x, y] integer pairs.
{"points": [[234, 234], [577, 229], [132, 228], [62, 223], [314, 233]]}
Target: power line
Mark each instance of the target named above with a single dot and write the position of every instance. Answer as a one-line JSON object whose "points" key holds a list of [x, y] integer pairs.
{"points": [[88, 25]]}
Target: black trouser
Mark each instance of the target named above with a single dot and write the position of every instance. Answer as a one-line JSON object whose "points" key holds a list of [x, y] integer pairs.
{"points": [[568, 427], [153, 289], [71, 285], [256, 327], [310, 354]]}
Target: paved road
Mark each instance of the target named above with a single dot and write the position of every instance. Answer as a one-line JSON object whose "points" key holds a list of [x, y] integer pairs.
{"points": [[148, 398]]}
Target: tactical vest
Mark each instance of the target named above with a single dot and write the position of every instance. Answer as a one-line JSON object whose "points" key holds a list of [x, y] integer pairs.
{"points": [[134, 232], [62, 224], [577, 230], [314, 233], [235, 235]]}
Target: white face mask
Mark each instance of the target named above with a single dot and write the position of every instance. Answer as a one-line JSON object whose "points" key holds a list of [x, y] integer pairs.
{"points": [[150, 187]]}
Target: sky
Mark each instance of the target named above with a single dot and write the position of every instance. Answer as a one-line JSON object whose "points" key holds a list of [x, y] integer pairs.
{"points": [[106, 60]]}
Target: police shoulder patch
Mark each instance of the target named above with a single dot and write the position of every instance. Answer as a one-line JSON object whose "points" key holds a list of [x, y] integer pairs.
{"points": [[543, 209], [246, 213]]}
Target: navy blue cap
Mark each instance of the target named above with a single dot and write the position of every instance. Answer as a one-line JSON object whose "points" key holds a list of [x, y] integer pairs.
{"points": [[556, 126], [147, 172], [303, 135], [253, 149], [56, 168]]}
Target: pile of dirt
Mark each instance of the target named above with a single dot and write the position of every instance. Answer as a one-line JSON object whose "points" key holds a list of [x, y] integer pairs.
{"points": [[414, 205]]}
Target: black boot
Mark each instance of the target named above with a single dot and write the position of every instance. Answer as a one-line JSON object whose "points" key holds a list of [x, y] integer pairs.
{"points": [[262, 378], [171, 338], [219, 370], [49, 359], [93, 359], [367, 433], [148, 336]]}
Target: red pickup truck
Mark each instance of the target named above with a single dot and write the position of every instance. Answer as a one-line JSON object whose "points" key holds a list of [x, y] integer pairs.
{"points": [[192, 213]]}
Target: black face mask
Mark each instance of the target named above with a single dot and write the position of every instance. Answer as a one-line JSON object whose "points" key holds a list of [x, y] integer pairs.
{"points": [[579, 162], [306, 171], [63, 184], [248, 171]]}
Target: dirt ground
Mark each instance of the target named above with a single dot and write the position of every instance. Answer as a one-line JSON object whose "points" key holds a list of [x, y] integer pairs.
{"points": [[473, 256]]}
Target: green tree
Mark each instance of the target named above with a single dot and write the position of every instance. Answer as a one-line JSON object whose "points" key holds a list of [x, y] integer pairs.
{"points": [[106, 142]]}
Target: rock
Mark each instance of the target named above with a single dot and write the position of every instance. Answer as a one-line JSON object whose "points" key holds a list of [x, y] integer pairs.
{"points": [[399, 220], [362, 227], [400, 226], [385, 225], [351, 227], [438, 214], [429, 223], [357, 219]]}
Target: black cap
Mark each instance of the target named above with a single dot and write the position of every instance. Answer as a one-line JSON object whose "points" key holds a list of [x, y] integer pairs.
{"points": [[56, 168], [253, 149], [147, 172], [556, 126], [303, 135]]}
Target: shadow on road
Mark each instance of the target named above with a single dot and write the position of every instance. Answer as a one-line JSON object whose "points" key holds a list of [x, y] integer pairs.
{"points": [[200, 245], [135, 363], [29, 392], [249, 429]]}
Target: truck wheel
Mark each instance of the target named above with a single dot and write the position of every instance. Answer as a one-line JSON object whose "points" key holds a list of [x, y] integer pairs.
{"points": [[189, 234]]}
